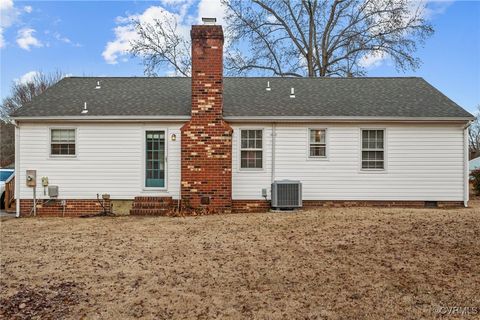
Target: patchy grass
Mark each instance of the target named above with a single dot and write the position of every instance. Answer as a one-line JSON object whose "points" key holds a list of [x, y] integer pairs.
{"points": [[327, 263]]}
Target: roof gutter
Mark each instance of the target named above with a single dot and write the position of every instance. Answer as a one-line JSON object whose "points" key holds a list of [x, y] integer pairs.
{"points": [[248, 118], [103, 118], [343, 119]]}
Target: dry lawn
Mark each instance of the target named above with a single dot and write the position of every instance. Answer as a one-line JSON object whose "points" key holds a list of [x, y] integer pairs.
{"points": [[342, 263]]}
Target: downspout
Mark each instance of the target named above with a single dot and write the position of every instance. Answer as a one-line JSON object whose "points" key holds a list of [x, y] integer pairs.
{"points": [[466, 186], [17, 169], [274, 134]]}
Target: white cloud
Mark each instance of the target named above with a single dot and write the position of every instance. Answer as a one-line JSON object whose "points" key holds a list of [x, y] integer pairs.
{"points": [[26, 39], [173, 2], [8, 15], [178, 11], [211, 9], [27, 77], [125, 32], [120, 46], [433, 8], [371, 60], [2, 40], [61, 38], [429, 9]]}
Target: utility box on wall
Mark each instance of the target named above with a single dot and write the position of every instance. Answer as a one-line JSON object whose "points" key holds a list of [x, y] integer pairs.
{"points": [[31, 178], [53, 191]]}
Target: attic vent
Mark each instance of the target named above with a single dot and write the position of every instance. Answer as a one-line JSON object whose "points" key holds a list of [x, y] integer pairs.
{"points": [[85, 110], [209, 21], [292, 93], [98, 85], [268, 86]]}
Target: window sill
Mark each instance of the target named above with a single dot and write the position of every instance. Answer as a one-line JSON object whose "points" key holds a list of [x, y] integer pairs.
{"points": [[62, 157], [376, 171], [154, 189], [251, 169], [318, 159]]}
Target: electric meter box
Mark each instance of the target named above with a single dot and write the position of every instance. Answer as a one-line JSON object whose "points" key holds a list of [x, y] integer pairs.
{"points": [[31, 178]]}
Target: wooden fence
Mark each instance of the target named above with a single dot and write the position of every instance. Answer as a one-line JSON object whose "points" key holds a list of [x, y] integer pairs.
{"points": [[10, 195]]}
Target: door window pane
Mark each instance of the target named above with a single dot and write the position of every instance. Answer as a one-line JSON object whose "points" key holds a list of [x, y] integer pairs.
{"points": [[155, 159]]}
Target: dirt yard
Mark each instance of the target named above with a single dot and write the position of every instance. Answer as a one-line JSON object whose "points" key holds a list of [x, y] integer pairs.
{"points": [[342, 263]]}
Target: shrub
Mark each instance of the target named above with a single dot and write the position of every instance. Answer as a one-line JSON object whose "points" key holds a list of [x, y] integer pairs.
{"points": [[475, 178]]}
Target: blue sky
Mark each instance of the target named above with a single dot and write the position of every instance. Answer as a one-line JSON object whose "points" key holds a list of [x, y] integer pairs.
{"points": [[89, 38]]}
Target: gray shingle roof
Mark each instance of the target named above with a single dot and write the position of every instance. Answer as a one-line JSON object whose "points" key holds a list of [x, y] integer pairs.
{"points": [[247, 97]]}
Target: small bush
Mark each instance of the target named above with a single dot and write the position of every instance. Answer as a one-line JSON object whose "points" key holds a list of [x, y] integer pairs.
{"points": [[475, 178]]}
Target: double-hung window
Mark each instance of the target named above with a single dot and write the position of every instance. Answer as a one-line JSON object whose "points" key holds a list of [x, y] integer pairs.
{"points": [[317, 143], [373, 149], [62, 142], [251, 149]]}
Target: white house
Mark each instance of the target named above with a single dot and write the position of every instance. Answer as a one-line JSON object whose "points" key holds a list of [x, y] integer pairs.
{"points": [[219, 143]]}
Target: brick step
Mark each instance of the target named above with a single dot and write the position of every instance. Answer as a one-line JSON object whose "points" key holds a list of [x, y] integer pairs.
{"points": [[150, 205], [153, 199], [149, 212]]}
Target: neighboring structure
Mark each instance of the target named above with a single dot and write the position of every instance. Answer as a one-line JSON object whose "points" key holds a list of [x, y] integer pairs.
{"points": [[474, 164], [7, 144], [218, 143]]}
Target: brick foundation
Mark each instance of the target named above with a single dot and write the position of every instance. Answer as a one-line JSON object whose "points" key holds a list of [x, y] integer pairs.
{"points": [[263, 206], [250, 206], [73, 208], [206, 151]]}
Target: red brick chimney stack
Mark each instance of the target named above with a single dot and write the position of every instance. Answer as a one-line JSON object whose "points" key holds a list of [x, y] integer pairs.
{"points": [[206, 138]]}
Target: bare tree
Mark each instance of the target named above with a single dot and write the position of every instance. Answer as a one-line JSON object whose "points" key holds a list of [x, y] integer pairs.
{"points": [[318, 38], [23, 92], [161, 44], [314, 38], [474, 135]]}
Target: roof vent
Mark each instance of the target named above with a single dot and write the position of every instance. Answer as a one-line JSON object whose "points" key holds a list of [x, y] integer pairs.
{"points": [[98, 85], [292, 93], [268, 86], [85, 110], [209, 21]]}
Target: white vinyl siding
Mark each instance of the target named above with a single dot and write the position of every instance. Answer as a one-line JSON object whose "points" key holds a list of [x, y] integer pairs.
{"points": [[110, 159], [424, 162]]}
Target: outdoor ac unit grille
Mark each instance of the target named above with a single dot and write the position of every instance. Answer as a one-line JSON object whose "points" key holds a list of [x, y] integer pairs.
{"points": [[286, 194]]}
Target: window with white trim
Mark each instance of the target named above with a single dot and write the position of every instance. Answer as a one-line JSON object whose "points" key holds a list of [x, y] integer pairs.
{"points": [[251, 149], [373, 149], [317, 143], [62, 142]]}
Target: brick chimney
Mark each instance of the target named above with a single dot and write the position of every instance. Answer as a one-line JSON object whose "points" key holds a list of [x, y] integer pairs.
{"points": [[206, 138]]}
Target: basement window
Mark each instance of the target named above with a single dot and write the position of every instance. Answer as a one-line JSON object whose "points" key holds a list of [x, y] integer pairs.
{"points": [[251, 149], [373, 149], [62, 142]]}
